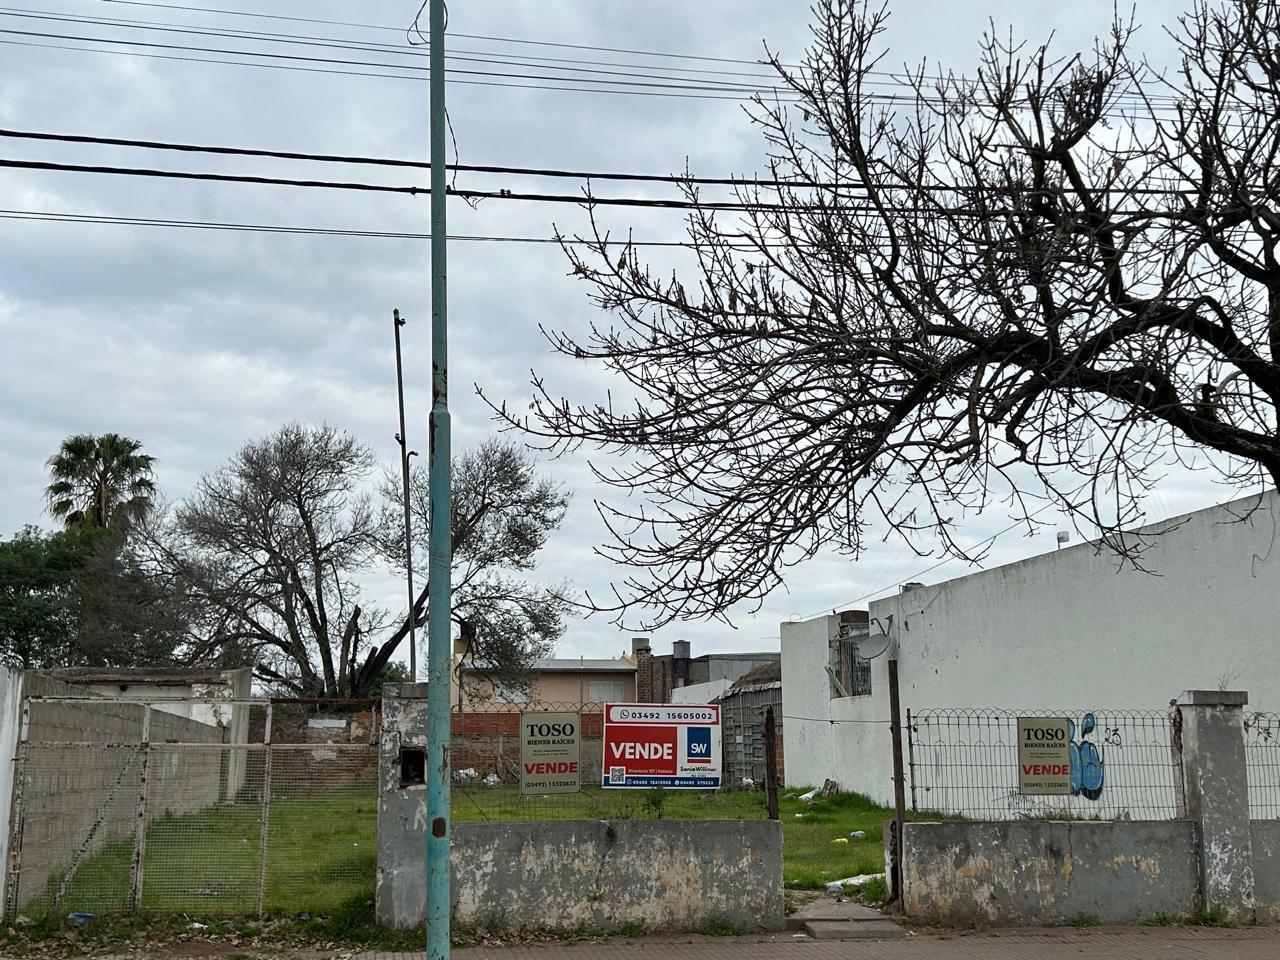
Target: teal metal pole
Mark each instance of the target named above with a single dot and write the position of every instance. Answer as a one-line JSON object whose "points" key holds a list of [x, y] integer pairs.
{"points": [[439, 623]]}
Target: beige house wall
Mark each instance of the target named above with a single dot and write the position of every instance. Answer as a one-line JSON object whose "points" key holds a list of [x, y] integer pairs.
{"points": [[564, 687]]}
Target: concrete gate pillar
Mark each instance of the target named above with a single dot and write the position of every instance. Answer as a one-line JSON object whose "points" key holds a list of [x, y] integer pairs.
{"points": [[1215, 794], [402, 807]]}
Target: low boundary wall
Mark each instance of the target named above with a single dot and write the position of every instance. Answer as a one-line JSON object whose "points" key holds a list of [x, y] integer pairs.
{"points": [[596, 875], [1044, 871]]}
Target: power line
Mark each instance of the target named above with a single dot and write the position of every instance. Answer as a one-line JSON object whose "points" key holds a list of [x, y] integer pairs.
{"points": [[466, 36], [651, 86], [888, 76], [647, 84], [342, 43], [945, 560], [218, 225], [551, 172], [223, 177], [415, 164], [367, 73], [582, 200]]}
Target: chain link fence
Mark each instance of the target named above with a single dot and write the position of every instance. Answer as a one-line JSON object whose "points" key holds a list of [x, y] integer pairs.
{"points": [[172, 814], [964, 762], [238, 807], [485, 755], [1262, 760]]}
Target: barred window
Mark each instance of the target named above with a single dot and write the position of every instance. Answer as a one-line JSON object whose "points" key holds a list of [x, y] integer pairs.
{"points": [[850, 673]]}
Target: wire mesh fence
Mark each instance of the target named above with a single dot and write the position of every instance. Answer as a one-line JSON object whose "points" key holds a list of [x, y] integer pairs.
{"points": [[964, 762], [235, 808], [1262, 761], [185, 813], [485, 756]]}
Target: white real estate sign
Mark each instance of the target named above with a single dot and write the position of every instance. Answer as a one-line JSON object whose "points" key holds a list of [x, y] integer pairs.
{"points": [[549, 753], [1044, 756]]}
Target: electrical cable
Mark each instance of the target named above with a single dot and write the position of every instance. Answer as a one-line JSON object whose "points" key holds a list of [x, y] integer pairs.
{"points": [[380, 76], [466, 36], [153, 45], [110, 220], [527, 171], [649, 87]]}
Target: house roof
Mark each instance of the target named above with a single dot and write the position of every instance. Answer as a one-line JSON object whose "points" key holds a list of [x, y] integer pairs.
{"points": [[160, 676], [765, 673], [569, 664]]}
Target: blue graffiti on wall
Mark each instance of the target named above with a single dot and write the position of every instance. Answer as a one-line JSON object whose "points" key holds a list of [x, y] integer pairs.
{"points": [[1087, 773]]}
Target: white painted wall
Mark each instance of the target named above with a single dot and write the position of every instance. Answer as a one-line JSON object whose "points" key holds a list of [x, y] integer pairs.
{"points": [[1069, 629], [700, 692]]}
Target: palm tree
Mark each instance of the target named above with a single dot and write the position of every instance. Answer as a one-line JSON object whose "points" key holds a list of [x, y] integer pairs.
{"points": [[99, 482]]}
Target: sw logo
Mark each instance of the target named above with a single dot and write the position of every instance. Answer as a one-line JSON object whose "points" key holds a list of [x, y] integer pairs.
{"points": [[699, 745]]}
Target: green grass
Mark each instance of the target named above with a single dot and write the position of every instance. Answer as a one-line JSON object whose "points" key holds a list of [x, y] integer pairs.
{"points": [[321, 849], [810, 856], [1215, 916], [874, 893], [321, 854]]}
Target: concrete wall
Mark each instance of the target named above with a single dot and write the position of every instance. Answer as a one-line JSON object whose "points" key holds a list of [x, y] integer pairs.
{"points": [[1069, 629], [700, 692], [662, 874], [556, 687], [599, 875], [565, 875], [1266, 869], [1029, 871]]}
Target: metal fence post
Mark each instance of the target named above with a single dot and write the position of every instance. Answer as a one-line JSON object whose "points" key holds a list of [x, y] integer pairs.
{"points": [[140, 825], [265, 817], [899, 794], [911, 759]]}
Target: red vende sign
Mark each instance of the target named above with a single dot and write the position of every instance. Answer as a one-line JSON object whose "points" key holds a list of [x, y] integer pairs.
{"points": [[643, 750]]}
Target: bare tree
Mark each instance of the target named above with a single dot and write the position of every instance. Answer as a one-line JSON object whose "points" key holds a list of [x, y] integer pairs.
{"points": [[270, 549], [271, 545], [503, 513], [1037, 286]]}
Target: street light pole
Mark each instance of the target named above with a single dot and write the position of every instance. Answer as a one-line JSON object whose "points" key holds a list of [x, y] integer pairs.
{"points": [[439, 634], [405, 454]]}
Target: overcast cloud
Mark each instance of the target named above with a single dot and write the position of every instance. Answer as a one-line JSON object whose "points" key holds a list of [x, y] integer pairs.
{"points": [[195, 341]]}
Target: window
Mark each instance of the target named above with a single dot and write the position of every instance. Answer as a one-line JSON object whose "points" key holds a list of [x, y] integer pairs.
{"points": [[606, 691], [850, 673]]}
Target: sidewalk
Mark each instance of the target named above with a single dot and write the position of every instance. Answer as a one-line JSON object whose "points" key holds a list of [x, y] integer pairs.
{"points": [[1120, 943]]}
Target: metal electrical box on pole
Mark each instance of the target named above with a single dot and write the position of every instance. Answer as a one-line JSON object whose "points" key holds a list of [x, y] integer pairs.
{"points": [[439, 638]]}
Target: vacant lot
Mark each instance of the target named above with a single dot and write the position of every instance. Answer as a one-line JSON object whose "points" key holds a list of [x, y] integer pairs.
{"points": [[320, 847]]}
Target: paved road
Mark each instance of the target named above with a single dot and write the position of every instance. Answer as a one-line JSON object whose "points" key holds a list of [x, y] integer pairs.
{"points": [[1166, 943]]}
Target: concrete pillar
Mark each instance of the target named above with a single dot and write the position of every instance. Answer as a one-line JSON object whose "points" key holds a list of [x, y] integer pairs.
{"points": [[401, 890], [1216, 796]]}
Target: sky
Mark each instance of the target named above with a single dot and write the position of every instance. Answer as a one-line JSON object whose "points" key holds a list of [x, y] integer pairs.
{"points": [[196, 341]]}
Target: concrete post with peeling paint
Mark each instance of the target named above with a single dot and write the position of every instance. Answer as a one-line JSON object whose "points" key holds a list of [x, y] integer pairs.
{"points": [[1216, 797]]}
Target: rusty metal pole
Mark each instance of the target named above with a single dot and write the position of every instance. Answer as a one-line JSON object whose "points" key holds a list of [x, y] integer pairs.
{"points": [[770, 764], [405, 453], [899, 783]]}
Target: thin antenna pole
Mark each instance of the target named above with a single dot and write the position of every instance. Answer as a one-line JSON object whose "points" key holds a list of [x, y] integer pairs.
{"points": [[405, 454], [439, 619]]}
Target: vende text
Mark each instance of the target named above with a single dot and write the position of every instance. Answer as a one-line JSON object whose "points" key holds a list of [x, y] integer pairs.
{"points": [[1045, 770], [563, 766], [642, 751]]}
